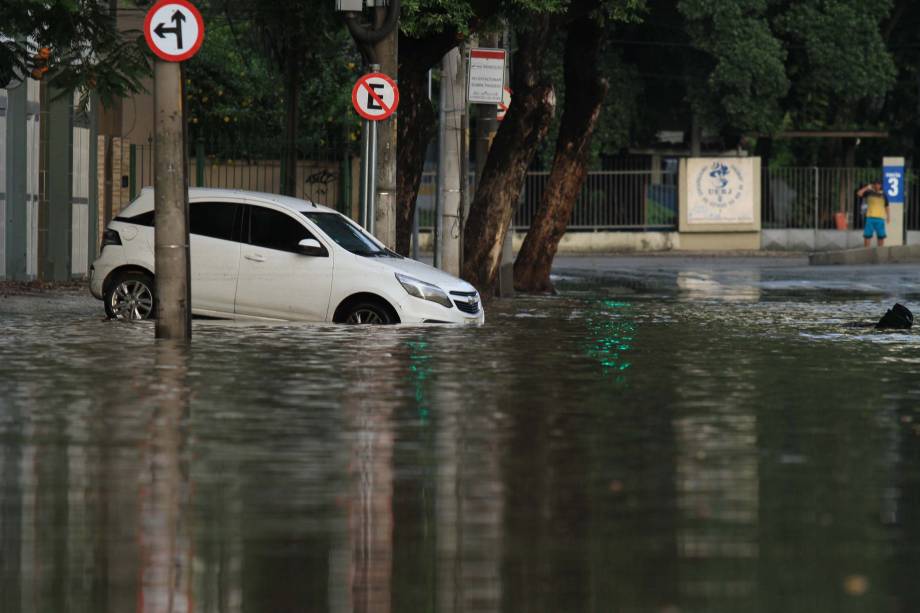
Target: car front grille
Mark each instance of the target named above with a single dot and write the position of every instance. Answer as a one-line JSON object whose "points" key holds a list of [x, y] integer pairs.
{"points": [[468, 302]]}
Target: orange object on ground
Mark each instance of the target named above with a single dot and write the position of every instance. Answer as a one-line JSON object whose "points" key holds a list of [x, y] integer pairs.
{"points": [[840, 219]]}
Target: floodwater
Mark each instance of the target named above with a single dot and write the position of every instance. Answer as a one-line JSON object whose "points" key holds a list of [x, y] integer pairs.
{"points": [[663, 436]]}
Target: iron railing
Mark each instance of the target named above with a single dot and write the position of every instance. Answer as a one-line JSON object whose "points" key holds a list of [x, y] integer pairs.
{"points": [[609, 200], [324, 182], [792, 197], [825, 198], [812, 197]]}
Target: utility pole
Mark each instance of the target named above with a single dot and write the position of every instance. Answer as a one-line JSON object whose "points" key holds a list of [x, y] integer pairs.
{"points": [[377, 42], [387, 51], [452, 105], [174, 31], [171, 240]]}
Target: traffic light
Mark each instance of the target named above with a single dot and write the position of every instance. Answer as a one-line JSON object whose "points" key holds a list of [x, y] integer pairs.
{"points": [[40, 63]]}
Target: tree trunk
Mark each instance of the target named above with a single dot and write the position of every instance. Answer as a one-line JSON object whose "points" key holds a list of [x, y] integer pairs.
{"points": [[503, 176], [291, 112], [585, 92], [416, 126]]}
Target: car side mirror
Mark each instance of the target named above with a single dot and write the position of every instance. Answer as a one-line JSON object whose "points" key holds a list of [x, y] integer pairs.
{"points": [[311, 246]]}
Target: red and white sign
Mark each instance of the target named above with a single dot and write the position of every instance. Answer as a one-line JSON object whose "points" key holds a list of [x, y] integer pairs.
{"points": [[375, 96], [504, 104], [174, 30], [487, 76]]}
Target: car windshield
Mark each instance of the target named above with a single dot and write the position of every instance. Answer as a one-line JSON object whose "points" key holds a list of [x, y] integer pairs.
{"points": [[345, 233]]}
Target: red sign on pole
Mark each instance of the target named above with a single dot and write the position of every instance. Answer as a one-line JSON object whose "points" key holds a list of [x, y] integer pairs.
{"points": [[375, 96], [174, 30], [504, 104]]}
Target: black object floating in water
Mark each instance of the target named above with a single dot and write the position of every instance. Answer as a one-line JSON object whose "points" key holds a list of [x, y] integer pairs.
{"points": [[898, 317]]}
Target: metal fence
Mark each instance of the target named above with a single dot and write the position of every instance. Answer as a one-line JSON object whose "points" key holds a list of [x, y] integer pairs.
{"points": [[792, 197], [609, 200], [324, 182], [813, 198], [825, 198]]}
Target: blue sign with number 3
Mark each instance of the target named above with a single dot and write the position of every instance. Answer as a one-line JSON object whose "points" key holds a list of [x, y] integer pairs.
{"points": [[894, 184]]}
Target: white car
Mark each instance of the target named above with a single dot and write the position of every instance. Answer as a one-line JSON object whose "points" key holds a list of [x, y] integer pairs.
{"points": [[263, 256]]}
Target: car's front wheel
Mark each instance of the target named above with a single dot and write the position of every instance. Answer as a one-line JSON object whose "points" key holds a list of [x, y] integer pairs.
{"points": [[131, 296], [368, 313]]}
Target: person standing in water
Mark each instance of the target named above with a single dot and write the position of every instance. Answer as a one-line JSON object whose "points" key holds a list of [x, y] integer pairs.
{"points": [[876, 213]]}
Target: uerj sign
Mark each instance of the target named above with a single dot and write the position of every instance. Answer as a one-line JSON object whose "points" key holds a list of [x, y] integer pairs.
{"points": [[487, 76], [721, 191]]}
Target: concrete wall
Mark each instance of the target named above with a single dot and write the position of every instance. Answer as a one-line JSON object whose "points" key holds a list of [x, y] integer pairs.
{"points": [[810, 240], [45, 184], [607, 242]]}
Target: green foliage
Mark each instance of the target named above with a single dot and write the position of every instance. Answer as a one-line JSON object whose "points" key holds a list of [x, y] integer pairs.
{"points": [[838, 58], [621, 106], [422, 17], [232, 92], [741, 83], [87, 51], [235, 97]]}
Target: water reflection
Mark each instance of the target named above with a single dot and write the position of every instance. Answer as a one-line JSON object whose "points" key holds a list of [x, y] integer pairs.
{"points": [[165, 549], [739, 286], [639, 452], [368, 406]]}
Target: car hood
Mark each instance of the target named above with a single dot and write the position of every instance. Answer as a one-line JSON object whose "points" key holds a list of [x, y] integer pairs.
{"points": [[428, 274]]}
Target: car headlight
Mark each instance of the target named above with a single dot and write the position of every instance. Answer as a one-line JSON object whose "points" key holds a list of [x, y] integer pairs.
{"points": [[425, 291]]}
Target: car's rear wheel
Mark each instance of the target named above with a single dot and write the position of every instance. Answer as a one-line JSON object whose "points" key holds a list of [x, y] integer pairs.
{"points": [[130, 296], [368, 313]]}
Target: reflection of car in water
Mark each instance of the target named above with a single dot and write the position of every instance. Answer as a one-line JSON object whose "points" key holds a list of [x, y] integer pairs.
{"points": [[262, 256]]}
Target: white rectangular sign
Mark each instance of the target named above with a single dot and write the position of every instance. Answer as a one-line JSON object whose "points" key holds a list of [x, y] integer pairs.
{"points": [[720, 190], [487, 76]]}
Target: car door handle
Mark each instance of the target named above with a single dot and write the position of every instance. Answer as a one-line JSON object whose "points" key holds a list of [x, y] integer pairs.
{"points": [[255, 257]]}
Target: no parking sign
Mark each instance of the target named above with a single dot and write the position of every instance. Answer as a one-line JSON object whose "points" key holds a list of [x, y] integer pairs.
{"points": [[375, 96]]}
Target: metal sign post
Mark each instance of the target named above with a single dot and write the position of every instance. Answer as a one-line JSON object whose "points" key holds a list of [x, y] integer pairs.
{"points": [[375, 97], [174, 31]]}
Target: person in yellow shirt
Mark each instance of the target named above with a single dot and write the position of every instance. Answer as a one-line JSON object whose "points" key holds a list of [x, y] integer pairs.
{"points": [[876, 212]]}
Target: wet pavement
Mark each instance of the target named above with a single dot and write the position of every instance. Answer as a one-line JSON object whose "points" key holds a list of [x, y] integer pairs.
{"points": [[668, 434]]}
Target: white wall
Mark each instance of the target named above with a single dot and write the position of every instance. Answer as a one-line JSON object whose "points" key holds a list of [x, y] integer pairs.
{"points": [[79, 260]]}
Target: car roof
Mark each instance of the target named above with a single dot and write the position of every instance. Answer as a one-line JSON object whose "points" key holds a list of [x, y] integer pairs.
{"points": [[144, 201]]}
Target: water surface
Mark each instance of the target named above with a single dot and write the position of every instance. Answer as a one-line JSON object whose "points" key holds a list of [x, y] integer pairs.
{"points": [[661, 436]]}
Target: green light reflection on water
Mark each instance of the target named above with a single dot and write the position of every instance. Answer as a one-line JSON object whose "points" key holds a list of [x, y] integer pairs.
{"points": [[419, 372], [612, 333]]}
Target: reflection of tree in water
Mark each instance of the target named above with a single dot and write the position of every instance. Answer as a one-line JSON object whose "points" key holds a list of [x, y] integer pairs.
{"points": [[611, 332]]}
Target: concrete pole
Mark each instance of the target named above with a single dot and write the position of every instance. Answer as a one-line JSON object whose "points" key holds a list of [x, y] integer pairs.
{"points": [[384, 222], [452, 102], [171, 241]]}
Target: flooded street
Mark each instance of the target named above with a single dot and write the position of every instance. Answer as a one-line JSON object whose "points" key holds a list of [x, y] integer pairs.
{"points": [[666, 435]]}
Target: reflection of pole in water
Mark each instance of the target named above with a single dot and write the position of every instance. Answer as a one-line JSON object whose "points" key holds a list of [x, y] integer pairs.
{"points": [[717, 496], [370, 506], [165, 541], [469, 505]]}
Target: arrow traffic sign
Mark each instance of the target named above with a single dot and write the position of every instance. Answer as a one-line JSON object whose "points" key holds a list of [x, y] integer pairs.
{"points": [[174, 30], [375, 96]]}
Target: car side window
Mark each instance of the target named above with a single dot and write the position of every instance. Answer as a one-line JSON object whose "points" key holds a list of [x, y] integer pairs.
{"points": [[213, 219], [275, 230], [143, 219]]}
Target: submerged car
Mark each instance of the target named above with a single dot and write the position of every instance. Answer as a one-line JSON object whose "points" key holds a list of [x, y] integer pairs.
{"points": [[269, 257]]}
